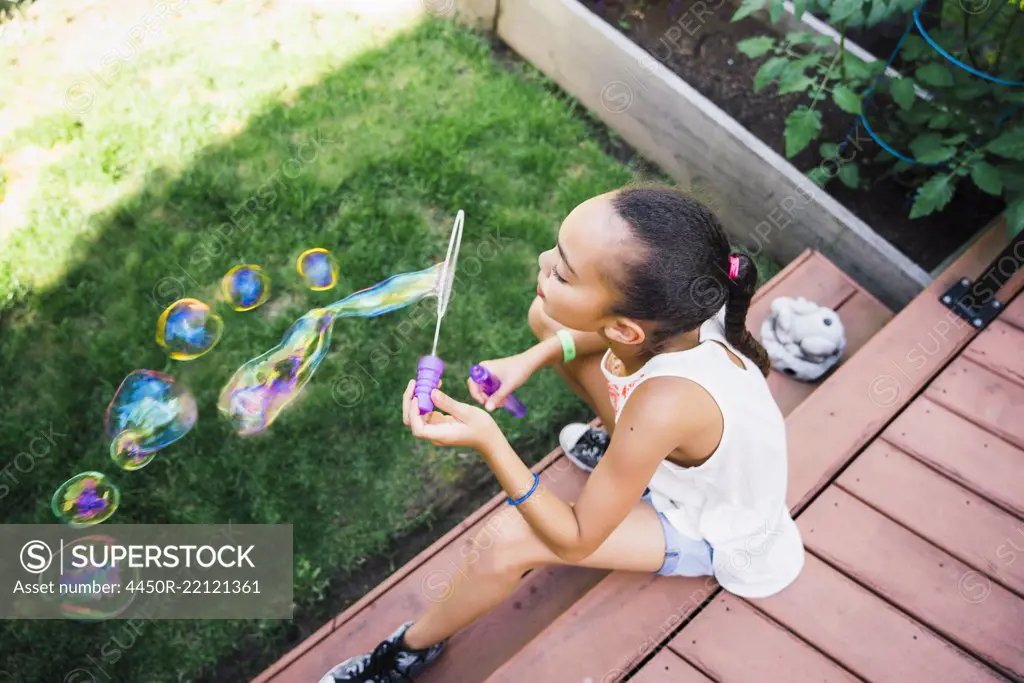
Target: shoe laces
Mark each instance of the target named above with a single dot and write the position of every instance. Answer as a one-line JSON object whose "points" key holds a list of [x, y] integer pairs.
{"points": [[383, 661], [593, 438]]}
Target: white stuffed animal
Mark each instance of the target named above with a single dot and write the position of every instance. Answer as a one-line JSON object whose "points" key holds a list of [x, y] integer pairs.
{"points": [[803, 340]]}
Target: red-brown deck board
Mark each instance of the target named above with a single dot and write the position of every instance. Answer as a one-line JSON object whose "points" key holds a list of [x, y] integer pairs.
{"points": [[939, 509], [668, 667], [879, 470], [731, 641], [961, 450]]}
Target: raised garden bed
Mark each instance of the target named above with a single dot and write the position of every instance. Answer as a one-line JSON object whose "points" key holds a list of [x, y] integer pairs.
{"points": [[709, 61], [713, 134]]}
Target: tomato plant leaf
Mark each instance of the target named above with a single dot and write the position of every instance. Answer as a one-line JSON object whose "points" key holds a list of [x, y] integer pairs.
{"points": [[987, 178], [902, 90], [769, 71], [878, 12], [802, 126], [932, 196], [799, 37], [935, 75], [1009, 145], [843, 9], [846, 99], [819, 176], [791, 84], [756, 47], [930, 148], [747, 8], [849, 174]]}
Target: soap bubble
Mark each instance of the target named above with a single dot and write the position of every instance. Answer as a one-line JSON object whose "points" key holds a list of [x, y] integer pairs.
{"points": [[188, 328], [245, 287], [263, 386], [85, 499], [318, 269], [80, 588], [149, 411]]}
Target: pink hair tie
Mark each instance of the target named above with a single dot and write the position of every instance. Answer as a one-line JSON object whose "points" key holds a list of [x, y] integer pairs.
{"points": [[734, 267]]}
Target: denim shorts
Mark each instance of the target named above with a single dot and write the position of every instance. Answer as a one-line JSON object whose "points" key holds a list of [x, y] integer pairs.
{"points": [[684, 556]]}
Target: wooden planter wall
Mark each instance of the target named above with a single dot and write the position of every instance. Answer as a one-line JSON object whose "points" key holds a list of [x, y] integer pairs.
{"points": [[766, 204]]}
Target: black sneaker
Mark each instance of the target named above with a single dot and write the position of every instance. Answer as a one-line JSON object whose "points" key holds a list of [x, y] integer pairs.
{"points": [[390, 662], [583, 444]]}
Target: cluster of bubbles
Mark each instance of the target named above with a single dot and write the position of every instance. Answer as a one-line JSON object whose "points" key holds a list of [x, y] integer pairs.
{"points": [[263, 386], [151, 410]]}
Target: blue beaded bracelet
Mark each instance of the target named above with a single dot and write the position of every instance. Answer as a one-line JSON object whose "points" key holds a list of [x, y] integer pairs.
{"points": [[536, 481]]}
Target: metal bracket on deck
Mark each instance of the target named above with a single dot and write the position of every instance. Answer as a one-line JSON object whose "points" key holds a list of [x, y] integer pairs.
{"points": [[960, 300]]}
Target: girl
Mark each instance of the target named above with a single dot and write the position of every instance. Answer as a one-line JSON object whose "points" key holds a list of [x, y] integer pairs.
{"points": [[641, 309]]}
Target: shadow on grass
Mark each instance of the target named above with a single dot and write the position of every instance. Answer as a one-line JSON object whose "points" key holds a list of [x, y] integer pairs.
{"points": [[372, 162]]}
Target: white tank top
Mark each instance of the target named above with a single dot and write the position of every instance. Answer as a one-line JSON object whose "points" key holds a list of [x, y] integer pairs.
{"points": [[736, 499]]}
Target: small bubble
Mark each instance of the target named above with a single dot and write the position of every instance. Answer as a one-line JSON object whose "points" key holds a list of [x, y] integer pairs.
{"points": [[187, 329], [318, 269], [85, 499], [245, 287]]}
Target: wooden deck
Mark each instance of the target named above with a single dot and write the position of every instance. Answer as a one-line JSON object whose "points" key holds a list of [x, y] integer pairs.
{"points": [[907, 481]]}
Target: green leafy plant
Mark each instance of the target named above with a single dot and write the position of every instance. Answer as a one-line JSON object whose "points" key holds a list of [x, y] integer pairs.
{"points": [[956, 126]]}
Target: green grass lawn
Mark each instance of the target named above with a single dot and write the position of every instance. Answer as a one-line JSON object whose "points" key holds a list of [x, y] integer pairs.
{"points": [[332, 132]]}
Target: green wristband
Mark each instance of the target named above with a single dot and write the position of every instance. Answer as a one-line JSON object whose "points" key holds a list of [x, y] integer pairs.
{"points": [[568, 345]]}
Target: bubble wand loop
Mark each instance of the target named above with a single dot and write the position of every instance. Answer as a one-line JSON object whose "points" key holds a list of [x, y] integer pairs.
{"points": [[430, 368]]}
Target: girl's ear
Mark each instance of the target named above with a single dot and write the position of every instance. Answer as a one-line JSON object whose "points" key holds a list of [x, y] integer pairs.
{"points": [[625, 331]]}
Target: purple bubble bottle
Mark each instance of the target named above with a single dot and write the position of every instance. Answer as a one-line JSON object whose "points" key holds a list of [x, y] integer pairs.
{"points": [[489, 383], [428, 376]]}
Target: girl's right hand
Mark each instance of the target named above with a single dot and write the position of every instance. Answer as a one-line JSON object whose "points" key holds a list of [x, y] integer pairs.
{"points": [[512, 372]]}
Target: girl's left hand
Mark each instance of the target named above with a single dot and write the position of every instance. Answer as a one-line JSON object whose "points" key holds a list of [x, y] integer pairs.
{"points": [[464, 425]]}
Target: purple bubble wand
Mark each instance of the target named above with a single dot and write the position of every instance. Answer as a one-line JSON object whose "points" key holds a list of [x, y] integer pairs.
{"points": [[430, 368], [489, 383]]}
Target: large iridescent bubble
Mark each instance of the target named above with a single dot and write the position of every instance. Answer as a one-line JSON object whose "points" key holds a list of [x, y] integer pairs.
{"points": [[262, 387], [85, 499], [149, 411], [188, 328], [245, 287], [318, 269]]}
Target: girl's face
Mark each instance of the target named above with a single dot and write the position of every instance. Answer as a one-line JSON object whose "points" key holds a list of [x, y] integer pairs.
{"points": [[575, 280]]}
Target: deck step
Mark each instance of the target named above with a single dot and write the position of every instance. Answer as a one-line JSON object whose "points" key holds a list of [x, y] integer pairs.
{"points": [[770, 652], [549, 594], [919, 577], [963, 451], [939, 509]]}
